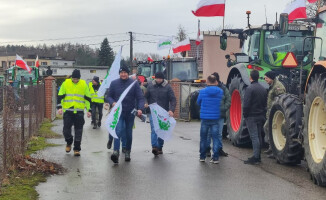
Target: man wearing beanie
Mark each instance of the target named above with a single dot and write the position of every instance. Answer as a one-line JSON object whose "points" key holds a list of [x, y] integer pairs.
{"points": [[133, 99], [159, 92], [97, 102], [276, 88], [73, 98]]}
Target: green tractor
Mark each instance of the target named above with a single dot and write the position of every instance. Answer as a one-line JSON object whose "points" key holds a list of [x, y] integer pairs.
{"points": [[263, 48], [15, 73]]}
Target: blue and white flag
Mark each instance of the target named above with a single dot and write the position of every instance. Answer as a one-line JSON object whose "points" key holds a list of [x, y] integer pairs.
{"points": [[163, 123], [114, 116], [113, 74]]}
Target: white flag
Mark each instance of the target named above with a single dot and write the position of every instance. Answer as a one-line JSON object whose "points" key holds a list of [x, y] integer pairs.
{"points": [[164, 43], [114, 116], [163, 123], [113, 74]]}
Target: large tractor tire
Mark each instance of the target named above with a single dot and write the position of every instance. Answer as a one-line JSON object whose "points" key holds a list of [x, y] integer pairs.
{"points": [[237, 129], [314, 132], [284, 128]]}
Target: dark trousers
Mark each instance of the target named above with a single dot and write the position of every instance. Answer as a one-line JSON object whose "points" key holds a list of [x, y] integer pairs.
{"points": [[98, 106], [255, 125], [77, 120]]}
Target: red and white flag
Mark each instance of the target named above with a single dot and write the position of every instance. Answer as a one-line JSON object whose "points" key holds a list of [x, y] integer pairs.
{"points": [[149, 58], [37, 62], [198, 36], [210, 8], [182, 46], [22, 64], [296, 9], [312, 1]]}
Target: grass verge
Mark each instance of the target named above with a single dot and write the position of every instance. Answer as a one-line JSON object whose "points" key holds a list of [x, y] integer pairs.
{"points": [[28, 172]]}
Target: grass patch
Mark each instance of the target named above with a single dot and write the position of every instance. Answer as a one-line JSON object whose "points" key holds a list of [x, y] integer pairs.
{"points": [[59, 116], [45, 130], [21, 186], [28, 172], [37, 143]]}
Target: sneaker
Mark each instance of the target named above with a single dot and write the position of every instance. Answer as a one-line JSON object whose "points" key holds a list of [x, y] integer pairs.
{"points": [[155, 151], [99, 124], [115, 157], [123, 149], [268, 151], [160, 151], [252, 161], [95, 126], [127, 156], [109, 144], [202, 160], [214, 160], [223, 153], [68, 148], [76, 153]]}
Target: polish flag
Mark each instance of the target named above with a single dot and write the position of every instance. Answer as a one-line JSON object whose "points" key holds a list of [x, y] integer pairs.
{"points": [[37, 63], [296, 9], [312, 1], [149, 58], [198, 39], [182, 46], [22, 64], [210, 8]]}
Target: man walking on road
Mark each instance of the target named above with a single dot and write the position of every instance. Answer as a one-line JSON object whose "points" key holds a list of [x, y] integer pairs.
{"points": [[134, 98], [254, 110], [209, 100], [276, 88], [97, 102], [159, 92], [225, 105], [74, 97]]}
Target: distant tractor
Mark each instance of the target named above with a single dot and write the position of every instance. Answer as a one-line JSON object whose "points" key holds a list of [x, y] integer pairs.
{"points": [[264, 49], [15, 73]]}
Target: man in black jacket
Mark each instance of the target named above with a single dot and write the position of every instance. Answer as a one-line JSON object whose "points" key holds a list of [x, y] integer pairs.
{"points": [[133, 99], [159, 92], [254, 111]]}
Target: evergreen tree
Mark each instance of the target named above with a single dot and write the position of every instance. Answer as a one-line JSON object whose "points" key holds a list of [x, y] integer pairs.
{"points": [[105, 55]]}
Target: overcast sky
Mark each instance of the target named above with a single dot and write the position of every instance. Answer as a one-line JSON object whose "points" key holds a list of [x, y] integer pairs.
{"points": [[22, 20]]}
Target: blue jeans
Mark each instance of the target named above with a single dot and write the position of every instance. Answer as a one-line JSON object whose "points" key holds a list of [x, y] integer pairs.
{"points": [[213, 126], [255, 125], [156, 141], [220, 130], [124, 131]]}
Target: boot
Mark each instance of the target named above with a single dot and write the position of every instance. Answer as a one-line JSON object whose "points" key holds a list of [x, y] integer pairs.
{"points": [[109, 144], [155, 151], [127, 156], [223, 153], [95, 126], [115, 157], [160, 151], [68, 148], [76, 153], [99, 124]]}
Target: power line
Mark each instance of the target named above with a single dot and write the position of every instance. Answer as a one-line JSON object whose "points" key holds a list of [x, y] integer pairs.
{"points": [[155, 35]]}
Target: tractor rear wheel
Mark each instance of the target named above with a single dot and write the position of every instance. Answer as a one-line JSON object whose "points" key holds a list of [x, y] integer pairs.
{"points": [[237, 129], [314, 132], [284, 120]]}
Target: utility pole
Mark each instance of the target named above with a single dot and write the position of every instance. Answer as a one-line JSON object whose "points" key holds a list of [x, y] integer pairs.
{"points": [[131, 49]]}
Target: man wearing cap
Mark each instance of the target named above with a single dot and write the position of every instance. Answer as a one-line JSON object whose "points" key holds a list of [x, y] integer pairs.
{"points": [[73, 98], [276, 88], [159, 92], [133, 99], [97, 102]]}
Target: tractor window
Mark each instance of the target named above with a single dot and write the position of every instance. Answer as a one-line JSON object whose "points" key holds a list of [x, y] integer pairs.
{"points": [[320, 32], [21, 72], [144, 70], [277, 46], [184, 71], [251, 45]]}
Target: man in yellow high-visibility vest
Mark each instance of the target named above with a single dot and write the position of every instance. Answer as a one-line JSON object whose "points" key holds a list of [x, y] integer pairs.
{"points": [[97, 102], [73, 98]]}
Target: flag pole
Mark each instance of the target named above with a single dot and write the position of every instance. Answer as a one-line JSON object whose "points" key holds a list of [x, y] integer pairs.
{"points": [[197, 46], [224, 15]]}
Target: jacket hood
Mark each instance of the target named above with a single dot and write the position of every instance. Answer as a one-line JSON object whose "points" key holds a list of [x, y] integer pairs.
{"points": [[212, 90], [165, 82]]}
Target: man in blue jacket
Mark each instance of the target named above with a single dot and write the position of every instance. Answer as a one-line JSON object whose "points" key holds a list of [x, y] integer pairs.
{"points": [[209, 100], [133, 99]]}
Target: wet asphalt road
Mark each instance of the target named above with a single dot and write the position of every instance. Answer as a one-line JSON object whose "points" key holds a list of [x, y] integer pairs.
{"points": [[177, 174]]}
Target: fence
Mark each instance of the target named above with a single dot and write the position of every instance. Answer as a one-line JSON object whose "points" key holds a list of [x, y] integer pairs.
{"points": [[22, 111], [188, 97]]}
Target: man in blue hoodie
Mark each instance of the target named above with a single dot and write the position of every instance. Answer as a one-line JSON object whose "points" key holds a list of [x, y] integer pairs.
{"points": [[209, 100]]}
